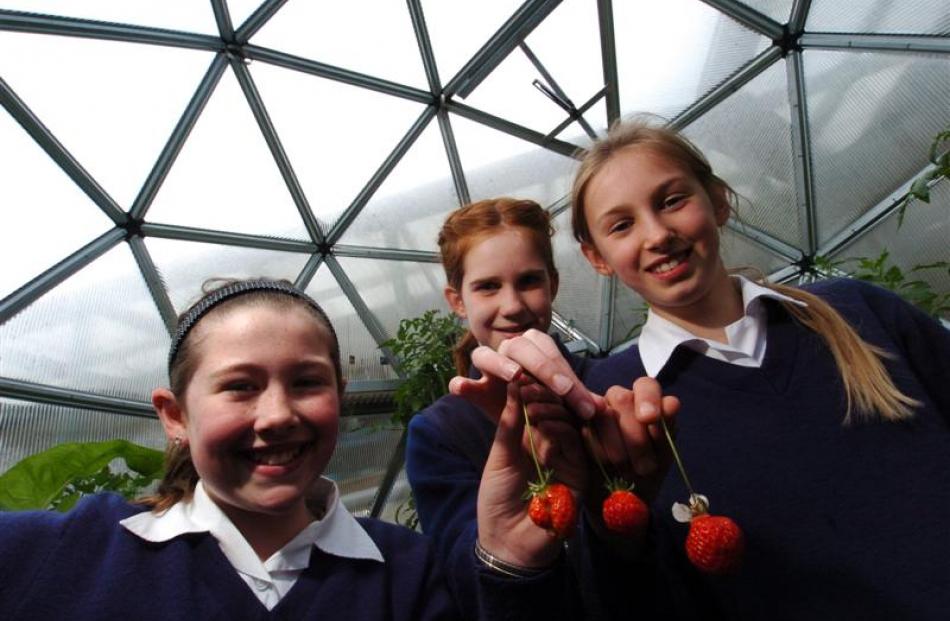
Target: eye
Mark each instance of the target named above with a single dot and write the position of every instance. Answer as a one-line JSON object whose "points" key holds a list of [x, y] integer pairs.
{"points": [[620, 226], [311, 381], [486, 286], [239, 386], [530, 280], [673, 201]]}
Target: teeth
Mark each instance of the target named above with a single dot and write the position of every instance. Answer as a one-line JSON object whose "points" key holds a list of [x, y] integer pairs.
{"points": [[276, 458], [667, 266]]}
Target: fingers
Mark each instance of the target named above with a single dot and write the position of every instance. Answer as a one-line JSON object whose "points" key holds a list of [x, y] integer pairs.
{"points": [[491, 362], [537, 354]]}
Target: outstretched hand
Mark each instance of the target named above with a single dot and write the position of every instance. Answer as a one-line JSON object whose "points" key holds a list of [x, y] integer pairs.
{"points": [[504, 527]]}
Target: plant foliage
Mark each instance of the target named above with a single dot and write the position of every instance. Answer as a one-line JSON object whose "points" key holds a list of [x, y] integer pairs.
{"points": [[920, 188], [423, 346], [58, 477]]}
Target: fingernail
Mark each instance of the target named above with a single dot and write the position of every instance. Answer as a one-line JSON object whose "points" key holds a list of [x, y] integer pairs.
{"points": [[647, 409], [644, 466], [587, 410], [511, 371], [562, 385]]}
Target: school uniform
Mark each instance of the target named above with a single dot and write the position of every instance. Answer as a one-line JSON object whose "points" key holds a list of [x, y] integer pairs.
{"points": [[841, 521], [109, 559]]}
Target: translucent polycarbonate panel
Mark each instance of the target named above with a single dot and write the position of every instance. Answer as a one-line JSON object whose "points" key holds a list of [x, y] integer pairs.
{"points": [[396, 290], [240, 10], [874, 16], [374, 37], [779, 10], [188, 16], [738, 251], [27, 428], [225, 177], [671, 53], [363, 450], [567, 44], [396, 508], [498, 164], [747, 139], [111, 104], [408, 209], [596, 118], [45, 215], [99, 331], [315, 120], [185, 265], [578, 295], [921, 240], [458, 30], [628, 315], [873, 118], [361, 357]]}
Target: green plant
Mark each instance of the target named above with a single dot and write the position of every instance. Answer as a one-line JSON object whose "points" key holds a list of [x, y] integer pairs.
{"points": [[920, 188], [58, 477], [423, 346]]}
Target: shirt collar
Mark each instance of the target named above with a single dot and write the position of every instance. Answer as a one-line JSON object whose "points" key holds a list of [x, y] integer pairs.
{"points": [[337, 532], [660, 336]]}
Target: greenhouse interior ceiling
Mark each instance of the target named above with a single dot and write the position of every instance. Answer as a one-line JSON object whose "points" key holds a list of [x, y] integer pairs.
{"points": [[147, 147]]}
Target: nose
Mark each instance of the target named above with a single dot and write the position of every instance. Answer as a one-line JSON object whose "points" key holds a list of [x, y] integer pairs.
{"points": [[275, 411], [656, 234], [511, 303]]}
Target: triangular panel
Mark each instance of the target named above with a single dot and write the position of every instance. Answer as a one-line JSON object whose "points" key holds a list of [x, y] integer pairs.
{"points": [[852, 98], [40, 204], [225, 177], [185, 265], [374, 38], [778, 10], [409, 207], [748, 141], [396, 290], [498, 164], [567, 46], [361, 357], [315, 119], [99, 331], [111, 104], [670, 53], [458, 30]]}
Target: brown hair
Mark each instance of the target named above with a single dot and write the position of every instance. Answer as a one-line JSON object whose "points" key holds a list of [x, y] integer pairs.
{"points": [[867, 385], [471, 224], [180, 476]]}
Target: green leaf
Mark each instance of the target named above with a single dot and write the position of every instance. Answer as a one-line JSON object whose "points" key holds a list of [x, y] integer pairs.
{"points": [[35, 481]]}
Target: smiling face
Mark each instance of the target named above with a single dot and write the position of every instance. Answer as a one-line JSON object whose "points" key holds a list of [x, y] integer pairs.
{"points": [[261, 411], [653, 224], [506, 288]]}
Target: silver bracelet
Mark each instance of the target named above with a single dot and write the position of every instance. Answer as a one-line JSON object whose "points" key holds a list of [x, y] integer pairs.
{"points": [[503, 567]]}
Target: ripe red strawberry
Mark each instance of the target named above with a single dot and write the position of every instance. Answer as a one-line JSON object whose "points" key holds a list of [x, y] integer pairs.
{"points": [[552, 507], [623, 511], [714, 544]]}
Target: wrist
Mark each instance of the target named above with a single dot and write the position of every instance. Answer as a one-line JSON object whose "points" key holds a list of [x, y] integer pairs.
{"points": [[504, 567]]}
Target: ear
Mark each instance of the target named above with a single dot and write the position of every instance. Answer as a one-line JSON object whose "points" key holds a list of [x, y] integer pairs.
{"points": [[596, 260], [555, 281], [170, 413], [721, 207], [454, 299]]}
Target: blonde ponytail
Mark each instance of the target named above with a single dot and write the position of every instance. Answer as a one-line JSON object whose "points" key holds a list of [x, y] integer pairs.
{"points": [[868, 387]]}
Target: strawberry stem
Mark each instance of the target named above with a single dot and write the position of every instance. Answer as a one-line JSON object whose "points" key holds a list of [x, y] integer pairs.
{"points": [[534, 455], [676, 456], [593, 451]]}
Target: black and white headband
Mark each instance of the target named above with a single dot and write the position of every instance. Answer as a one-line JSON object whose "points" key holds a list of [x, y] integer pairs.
{"points": [[201, 308]]}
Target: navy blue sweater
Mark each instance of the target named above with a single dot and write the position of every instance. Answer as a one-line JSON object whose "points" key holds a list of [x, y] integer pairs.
{"points": [[447, 448], [841, 522], [85, 565]]}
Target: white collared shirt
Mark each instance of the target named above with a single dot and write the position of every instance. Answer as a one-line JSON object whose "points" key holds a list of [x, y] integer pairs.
{"points": [[746, 336], [337, 533]]}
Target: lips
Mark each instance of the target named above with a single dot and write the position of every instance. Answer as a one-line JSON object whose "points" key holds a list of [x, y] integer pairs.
{"points": [[283, 455], [669, 263]]}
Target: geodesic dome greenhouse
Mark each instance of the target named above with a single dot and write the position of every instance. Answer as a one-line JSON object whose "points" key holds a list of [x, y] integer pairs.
{"points": [[149, 146]]}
